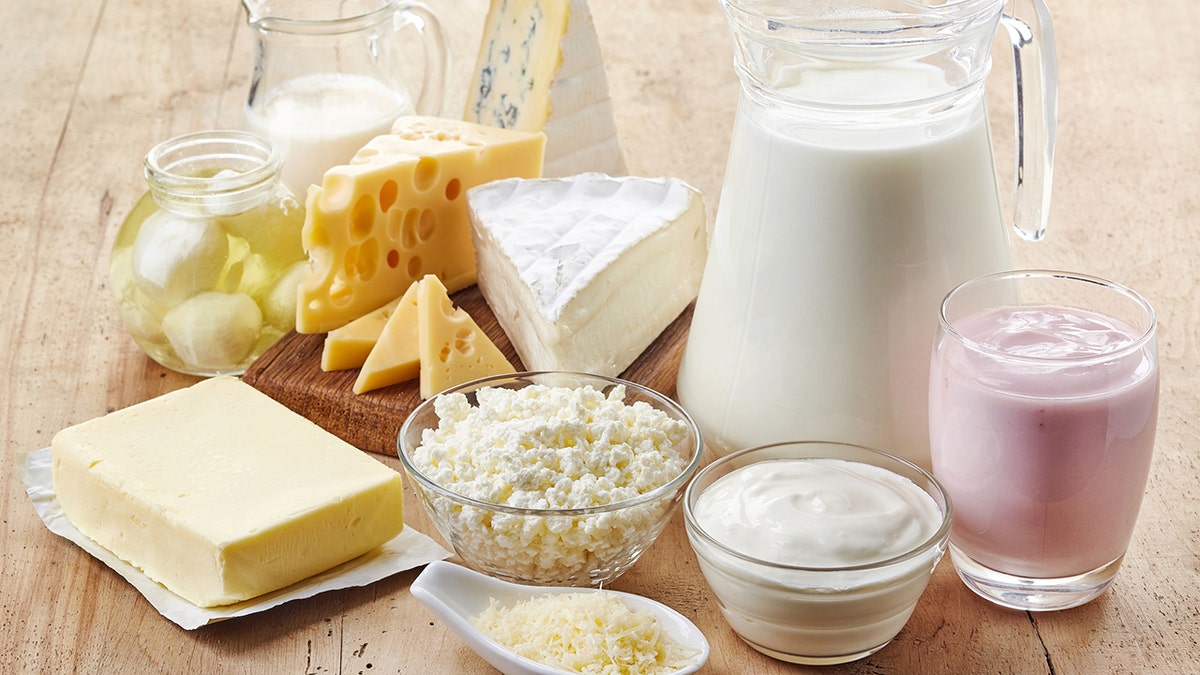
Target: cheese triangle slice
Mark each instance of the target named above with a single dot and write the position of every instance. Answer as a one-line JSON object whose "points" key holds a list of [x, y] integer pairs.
{"points": [[395, 357], [453, 348], [347, 347], [540, 69]]}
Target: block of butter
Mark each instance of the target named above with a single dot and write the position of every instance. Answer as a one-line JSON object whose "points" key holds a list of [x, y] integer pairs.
{"points": [[222, 494]]}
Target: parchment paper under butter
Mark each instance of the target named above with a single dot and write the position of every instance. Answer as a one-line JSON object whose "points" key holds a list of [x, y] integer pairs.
{"points": [[409, 549]]}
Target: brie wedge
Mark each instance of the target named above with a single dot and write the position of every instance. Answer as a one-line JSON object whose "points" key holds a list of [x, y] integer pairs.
{"points": [[583, 273]]}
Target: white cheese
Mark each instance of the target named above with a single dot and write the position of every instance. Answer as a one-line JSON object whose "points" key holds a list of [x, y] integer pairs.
{"points": [[583, 273], [222, 494], [585, 633], [540, 69], [543, 447]]}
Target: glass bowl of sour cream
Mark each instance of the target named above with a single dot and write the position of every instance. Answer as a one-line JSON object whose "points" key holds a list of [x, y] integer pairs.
{"points": [[817, 551]]}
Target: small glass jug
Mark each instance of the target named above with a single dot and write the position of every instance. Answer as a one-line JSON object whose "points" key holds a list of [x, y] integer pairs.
{"points": [[860, 188], [330, 76]]}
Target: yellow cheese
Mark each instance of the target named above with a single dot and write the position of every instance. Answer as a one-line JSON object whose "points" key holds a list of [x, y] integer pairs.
{"points": [[221, 494], [398, 211], [347, 347], [453, 348], [395, 357]]}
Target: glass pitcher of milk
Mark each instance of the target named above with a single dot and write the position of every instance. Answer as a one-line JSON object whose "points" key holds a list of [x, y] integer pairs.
{"points": [[860, 188], [330, 76]]}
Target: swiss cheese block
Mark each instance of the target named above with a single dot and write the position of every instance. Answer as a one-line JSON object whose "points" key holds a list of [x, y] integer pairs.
{"points": [[540, 69], [583, 273], [397, 212], [453, 348], [395, 357], [348, 347], [221, 494]]}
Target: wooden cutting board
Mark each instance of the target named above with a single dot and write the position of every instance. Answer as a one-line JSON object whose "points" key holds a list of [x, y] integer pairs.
{"points": [[290, 372]]}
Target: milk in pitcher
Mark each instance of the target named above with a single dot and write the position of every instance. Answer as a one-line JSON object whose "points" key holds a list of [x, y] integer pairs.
{"points": [[832, 249]]}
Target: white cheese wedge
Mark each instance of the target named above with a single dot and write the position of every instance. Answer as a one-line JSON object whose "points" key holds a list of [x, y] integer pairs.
{"points": [[221, 494], [540, 69], [583, 273]]}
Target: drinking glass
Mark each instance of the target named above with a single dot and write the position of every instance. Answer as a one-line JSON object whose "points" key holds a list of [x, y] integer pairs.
{"points": [[1042, 411]]}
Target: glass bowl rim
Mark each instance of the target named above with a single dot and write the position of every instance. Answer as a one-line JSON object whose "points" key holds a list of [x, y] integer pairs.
{"points": [[661, 401]]}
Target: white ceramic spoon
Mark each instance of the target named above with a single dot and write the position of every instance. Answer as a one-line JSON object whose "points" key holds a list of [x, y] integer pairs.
{"points": [[457, 594]]}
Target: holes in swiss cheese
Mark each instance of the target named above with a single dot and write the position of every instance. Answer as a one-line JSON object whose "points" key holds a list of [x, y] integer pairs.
{"points": [[453, 189], [362, 261], [426, 225], [387, 195], [464, 341], [362, 218], [425, 174], [408, 232]]}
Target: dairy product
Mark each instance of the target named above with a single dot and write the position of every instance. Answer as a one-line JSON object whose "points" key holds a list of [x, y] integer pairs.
{"points": [[348, 346], [584, 273], [817, 512], [204, 267], [540, 69], [838, 553], [398, 211], [222, 494], [319, 121], [543, 447], [1042, 433], [395, 356], [451, 347], [213, 330], [832, 247], [585, 633]]}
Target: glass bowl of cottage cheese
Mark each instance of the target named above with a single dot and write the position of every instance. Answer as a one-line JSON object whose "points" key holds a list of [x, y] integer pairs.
{"points": [[817, 552], [550, 478]]}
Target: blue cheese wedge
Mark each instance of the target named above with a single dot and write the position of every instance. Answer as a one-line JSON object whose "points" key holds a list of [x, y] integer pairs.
{"points": [[222, 494], [583, 273], [540, 69]]}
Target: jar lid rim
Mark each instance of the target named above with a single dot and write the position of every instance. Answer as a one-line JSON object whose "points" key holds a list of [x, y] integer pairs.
{"points": [[171, 165]]}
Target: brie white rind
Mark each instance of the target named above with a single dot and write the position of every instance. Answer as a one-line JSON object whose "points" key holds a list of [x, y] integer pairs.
{"points": [[583, 273]]}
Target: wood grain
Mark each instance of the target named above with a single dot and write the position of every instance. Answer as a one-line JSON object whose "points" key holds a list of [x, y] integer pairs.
{"points": [[290, 372], [90, 86]]}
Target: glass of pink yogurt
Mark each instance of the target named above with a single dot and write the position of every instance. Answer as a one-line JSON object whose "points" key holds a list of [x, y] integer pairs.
{"points": [[1043, 402]]}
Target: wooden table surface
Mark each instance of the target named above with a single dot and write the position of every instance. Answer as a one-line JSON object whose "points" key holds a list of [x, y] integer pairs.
{"points": [[93, 84]]}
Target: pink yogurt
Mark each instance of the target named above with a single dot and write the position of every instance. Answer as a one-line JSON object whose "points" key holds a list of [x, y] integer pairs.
{"points": [[1042, 433]]}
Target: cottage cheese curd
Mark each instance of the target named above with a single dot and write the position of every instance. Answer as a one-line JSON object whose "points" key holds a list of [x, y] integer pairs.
{"points": [[550, 448]]}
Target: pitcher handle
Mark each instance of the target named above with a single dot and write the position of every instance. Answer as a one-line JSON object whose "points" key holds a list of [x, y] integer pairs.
{"points": [[1035, 71], [437, 55]]}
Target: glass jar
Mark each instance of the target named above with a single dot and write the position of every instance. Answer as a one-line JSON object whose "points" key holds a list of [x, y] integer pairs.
{"points": [[205, 267]]}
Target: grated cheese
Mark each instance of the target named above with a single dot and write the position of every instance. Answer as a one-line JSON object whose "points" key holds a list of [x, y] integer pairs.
{"points": [[591, 633]]}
